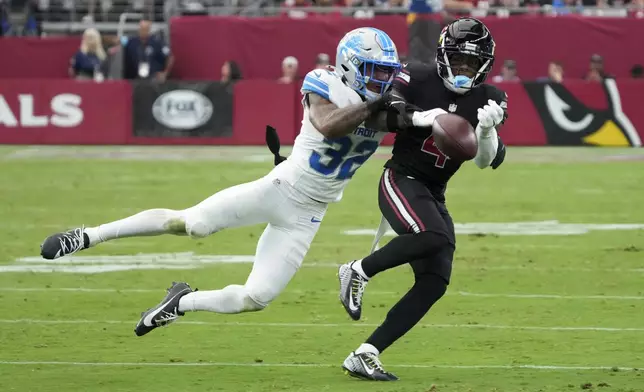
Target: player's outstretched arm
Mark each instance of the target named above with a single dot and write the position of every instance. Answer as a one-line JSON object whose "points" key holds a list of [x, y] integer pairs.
{"points": [[333, 122], [490, 117]]}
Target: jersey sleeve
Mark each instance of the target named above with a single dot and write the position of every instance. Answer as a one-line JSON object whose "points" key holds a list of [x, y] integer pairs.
{"points": [[408, 77], [318, 82]]}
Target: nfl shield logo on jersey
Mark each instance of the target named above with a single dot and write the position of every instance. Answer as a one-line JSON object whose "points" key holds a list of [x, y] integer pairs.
{"points": [[452, 107]]}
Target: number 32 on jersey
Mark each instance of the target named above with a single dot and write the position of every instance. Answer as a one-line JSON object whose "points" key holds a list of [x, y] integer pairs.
{"points": [[342, 154]]}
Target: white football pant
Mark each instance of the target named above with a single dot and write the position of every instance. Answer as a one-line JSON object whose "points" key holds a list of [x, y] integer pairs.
{"points": [[293, 220]]}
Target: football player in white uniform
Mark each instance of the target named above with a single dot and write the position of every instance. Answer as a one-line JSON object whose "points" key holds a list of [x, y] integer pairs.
{"points": [[333, 143]]}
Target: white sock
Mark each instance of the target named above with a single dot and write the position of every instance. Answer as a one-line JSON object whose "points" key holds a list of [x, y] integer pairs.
{"points": [[150, 222], [230, 299], [357, 266], [367, 348]]}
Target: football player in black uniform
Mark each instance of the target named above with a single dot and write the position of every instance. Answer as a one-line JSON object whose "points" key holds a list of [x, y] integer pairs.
{"points": [[411, 194]]}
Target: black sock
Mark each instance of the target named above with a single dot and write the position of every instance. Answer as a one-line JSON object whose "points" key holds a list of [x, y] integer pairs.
{"points": [[403, 249], [408, 311]]}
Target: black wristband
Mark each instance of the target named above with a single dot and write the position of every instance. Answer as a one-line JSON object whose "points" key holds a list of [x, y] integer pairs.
{"points": [[393, 120]]}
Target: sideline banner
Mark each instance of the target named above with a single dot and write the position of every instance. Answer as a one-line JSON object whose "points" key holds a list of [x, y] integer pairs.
{"points": [[64, 112], [72, 112]]}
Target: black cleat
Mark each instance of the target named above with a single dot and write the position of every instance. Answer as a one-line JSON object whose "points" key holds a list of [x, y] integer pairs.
{"points": [[366, 366], [63, 244], [166, 312], [352, 286]]}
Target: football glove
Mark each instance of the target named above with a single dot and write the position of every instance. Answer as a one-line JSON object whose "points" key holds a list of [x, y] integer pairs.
{"points": [[490, 115], [426, 119], [500, 155]]}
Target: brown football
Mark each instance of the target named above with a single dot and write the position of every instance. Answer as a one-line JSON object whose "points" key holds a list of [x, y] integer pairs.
{"points": [[455, 137]]}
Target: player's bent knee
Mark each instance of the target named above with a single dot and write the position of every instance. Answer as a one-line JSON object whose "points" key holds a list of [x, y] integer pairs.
{"points": [[260, 297], [435, 285], [252, 305], [195, 224], [434, 241]]}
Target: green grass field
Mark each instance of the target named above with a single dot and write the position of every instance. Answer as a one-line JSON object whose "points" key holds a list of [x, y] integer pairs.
{"points": [[558, 311]]}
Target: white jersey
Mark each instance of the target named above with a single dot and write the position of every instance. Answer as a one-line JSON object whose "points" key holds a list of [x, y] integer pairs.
{"points": [[319, 167]]}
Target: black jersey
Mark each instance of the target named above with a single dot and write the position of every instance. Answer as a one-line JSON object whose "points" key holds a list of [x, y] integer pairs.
{"points": [[414, 152]]}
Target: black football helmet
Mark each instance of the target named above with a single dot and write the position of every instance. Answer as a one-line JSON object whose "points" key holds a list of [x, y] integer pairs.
{"points": [[465, 54]]}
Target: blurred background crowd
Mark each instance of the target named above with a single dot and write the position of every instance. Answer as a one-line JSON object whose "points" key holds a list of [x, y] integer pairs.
{"points": [[135, 31]]}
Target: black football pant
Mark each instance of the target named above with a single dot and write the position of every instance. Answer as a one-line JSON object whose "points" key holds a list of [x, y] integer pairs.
{"points": [[425, 240]]}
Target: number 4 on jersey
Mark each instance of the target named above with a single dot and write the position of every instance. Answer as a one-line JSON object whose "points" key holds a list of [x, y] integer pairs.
{"points": [[429, 147]]}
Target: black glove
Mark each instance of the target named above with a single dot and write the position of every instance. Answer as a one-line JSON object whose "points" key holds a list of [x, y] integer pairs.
{"points": [[273, 143], [500, 155], [399, 115], [380, 103]]}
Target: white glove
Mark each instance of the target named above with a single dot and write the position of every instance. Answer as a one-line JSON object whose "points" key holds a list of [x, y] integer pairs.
{"points": [[490, 115], [426, 119]]}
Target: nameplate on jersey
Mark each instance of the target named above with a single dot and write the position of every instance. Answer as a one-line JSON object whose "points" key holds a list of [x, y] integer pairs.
{"points": [[365, 132]]}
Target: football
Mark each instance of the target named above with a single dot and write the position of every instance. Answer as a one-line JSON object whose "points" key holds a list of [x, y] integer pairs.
{"points": [[455, 137]]}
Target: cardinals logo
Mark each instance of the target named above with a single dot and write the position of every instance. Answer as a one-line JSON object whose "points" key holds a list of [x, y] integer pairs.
{"points": [[569, 121]]}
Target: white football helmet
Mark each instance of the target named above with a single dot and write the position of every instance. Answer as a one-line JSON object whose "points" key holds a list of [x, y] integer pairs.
{"points": [[368, 60]]}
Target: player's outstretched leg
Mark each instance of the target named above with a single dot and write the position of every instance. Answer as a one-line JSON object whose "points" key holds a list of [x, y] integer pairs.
{"points": [[166, 312], [147, 223], [280, 251], [364, 363], [240, 205]]}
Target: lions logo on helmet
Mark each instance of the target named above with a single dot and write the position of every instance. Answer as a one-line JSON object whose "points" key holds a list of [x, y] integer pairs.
{"points": [[368, 60]]}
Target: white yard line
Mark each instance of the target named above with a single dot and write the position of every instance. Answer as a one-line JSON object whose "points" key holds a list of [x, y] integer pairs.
{"points": [[119, 266], [328, 325], [312, 365], [329, 292]]}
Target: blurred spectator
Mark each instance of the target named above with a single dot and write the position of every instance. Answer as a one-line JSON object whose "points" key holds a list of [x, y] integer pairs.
{"points": [[147, 56], [436, 6], [89, 62], [394, 4], [596, 71], [322, 61], [33, 20], [637, 72], [508, 72], [638, 10], [555, 73], [230, 72], [294, 8], [364, 13], [5, 21], [563, 7], [289, 70]]}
